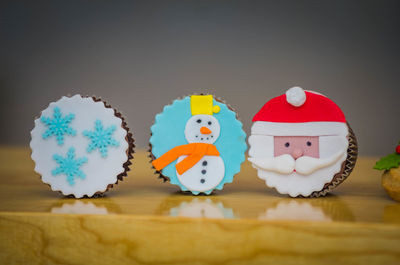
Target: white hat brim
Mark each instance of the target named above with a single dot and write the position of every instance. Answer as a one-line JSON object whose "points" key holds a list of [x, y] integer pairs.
{"points": [[299, 129]]}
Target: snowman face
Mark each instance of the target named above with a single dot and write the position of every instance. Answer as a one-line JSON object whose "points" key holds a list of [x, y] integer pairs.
{"points": [[202, 129]]}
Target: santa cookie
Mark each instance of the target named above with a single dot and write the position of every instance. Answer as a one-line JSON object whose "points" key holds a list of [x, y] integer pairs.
{"points": [[198, 144], [81, 146], [301, 144]]}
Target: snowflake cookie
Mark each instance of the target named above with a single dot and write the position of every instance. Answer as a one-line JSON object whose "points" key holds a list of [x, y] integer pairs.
{"points": [[198, 144], [81, 146]]}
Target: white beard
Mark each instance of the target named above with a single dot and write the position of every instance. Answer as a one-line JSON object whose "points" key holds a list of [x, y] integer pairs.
{"points": [[286, 164], [311, 173]]}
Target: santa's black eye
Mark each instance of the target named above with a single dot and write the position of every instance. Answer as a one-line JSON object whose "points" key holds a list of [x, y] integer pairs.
{"points": [[308, 143], [287, 144], [198, 121], [209, 123]]}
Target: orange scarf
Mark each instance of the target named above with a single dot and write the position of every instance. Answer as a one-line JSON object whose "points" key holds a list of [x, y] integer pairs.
{"points": [[194, 152]]}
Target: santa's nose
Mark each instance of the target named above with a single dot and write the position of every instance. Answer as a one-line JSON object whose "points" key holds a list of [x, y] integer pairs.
{"points": [[205, 130], [297, 153]]}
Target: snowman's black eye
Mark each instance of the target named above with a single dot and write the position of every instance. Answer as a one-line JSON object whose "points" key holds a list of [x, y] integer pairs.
{"points": [[209, 123], [198, 121], [308, 143], [287, 144]]}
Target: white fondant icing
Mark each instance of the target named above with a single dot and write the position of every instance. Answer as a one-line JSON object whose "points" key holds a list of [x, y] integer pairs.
{"points": [[283, 164], [100, 171], [329, 145], [306, 165], [261, 145], [193, 179], [299, 129], [296, 96]]}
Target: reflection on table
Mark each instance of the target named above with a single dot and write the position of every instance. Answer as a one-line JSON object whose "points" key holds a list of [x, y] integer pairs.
{"points": [[302, 209], [85, 206], [196, 207]]}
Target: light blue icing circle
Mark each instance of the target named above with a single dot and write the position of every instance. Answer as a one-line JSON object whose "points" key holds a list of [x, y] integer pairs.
{"points": [[168, 131]]}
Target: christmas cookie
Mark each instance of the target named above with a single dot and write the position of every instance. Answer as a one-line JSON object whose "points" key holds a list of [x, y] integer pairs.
{"points": [[198, 144], [301, 144], [391, 175], [81, 146]]}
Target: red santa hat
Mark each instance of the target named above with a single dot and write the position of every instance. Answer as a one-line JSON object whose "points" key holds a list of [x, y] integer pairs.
{"points": [[302, 113]]}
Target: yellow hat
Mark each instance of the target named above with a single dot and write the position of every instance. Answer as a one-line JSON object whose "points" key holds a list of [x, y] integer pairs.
{"points": [[203, 104]]}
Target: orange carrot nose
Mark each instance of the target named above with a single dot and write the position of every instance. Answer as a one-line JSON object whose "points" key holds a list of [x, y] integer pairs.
{"points": [[205, 130]]}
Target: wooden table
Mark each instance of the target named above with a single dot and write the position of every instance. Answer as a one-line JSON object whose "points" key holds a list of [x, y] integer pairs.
{"points": [[145, 221]]}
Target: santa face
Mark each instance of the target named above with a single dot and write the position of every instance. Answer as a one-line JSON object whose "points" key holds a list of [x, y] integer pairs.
{"points": [[202, 129], [297, 165], [296, 146]]}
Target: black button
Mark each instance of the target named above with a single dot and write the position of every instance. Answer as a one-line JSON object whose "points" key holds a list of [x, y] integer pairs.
{"points": [[204, 163], [202, 180], [203, 171]]}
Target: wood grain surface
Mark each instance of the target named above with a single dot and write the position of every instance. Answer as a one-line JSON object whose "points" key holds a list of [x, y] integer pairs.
{"points": [[144, 221]]}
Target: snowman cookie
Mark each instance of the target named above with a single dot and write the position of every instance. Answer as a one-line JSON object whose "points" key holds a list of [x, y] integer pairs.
{"points": [[301, 144], [81, 146], [198, 144]]}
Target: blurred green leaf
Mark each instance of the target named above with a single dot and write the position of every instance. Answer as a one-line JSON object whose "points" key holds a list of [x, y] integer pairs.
{"points": [[388, 162]]}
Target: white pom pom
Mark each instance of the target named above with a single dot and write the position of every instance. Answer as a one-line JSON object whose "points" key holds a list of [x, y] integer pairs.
{"points": [[296, 96]]}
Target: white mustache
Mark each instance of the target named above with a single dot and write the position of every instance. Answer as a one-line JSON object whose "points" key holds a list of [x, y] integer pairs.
{"points": [[283, 164], [286, 164]]}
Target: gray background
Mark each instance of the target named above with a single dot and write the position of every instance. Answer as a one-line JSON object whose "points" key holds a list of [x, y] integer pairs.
{"points": [[140, 56]]}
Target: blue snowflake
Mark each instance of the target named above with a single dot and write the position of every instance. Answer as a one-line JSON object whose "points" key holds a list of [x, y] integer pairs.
{"points": [[69, 166], [100, 138], [58, 126]]}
